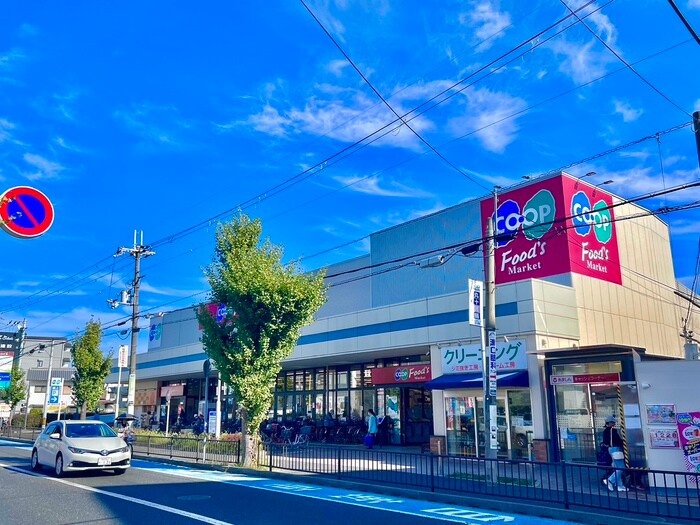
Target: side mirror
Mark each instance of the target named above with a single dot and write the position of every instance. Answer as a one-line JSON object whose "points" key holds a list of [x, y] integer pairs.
{"points": [[55, 435]]}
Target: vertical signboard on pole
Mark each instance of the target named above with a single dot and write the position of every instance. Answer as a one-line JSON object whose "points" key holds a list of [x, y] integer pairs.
{"points": [[476, 307], [493, 377], [55, 391]]}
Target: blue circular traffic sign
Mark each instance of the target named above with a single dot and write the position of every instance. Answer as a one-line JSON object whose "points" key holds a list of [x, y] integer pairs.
{"points": [[25, 212]]}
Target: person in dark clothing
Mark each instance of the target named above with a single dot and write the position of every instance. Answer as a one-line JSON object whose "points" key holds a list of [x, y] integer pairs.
{"points": [[615, 445]]}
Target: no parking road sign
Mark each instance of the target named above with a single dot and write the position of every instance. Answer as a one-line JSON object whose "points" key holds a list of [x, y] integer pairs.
{"points": [[25, 212]]}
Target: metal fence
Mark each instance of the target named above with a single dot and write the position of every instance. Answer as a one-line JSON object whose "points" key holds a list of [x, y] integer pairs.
{"points": [[569, 485], [664, 494]]}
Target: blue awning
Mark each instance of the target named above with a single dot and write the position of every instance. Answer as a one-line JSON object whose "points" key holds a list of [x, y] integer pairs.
{"points": [[452, 381]]}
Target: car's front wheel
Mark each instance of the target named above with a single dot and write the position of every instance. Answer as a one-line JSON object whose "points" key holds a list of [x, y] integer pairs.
{"points": [[35, 460], [59, 466]]}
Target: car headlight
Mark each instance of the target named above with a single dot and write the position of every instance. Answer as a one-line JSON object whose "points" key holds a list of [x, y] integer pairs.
{"points": [[75, 450], [123, 449]]}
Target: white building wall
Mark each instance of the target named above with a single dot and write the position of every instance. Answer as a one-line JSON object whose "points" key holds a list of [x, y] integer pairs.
{"points": [[667, 382]]}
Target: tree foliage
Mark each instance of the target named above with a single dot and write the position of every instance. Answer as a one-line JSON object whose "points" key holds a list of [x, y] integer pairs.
{"points": [[17, 390], [268, 303], [91, 366]]}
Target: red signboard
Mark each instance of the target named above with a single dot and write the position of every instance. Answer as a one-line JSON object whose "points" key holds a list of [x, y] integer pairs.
{"points": [[398, 375], [555, 226], [585, 378]]}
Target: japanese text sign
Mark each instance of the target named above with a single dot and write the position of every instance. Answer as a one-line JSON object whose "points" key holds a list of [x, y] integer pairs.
{"points": [[466, 359]]}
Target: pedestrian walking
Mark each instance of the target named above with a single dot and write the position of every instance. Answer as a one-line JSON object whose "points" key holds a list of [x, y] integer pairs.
{"points": [[372, 429], [612, 439]]}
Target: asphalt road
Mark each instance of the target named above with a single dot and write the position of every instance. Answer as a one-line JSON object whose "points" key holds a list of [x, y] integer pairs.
{"points": [[156, 493]]}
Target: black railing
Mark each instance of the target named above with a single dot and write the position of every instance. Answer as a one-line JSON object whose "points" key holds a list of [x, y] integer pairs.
{"points": [[659, 493], [655, 493]]}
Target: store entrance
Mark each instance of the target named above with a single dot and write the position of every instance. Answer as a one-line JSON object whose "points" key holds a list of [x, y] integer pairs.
{"points": [[410, 411], [581, 412]]}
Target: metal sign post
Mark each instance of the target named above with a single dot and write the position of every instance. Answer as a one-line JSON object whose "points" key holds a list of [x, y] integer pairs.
{"points": [[122, 362]]}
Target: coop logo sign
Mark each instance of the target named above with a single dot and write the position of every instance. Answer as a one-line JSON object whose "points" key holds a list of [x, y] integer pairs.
{"points": [[586, 218], [411, 374], [535, 219], [594, 224]]}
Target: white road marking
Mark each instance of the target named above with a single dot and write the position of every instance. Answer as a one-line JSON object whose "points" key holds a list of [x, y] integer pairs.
{"points": [[171, 510]]}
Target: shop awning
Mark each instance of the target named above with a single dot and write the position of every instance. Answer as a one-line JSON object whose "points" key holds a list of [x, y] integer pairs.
{"points": [[452, 381]]}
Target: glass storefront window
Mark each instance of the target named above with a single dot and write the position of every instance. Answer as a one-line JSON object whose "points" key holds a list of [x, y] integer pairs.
{"points": [[521, 429], [356, 406], [279, 383], [289, 382], [603, 367], [342, 380], [320, 379], [355, 377], [342, 406], [331, 378], [319, 410], [368, 401], [460, 417], [299, 381]]}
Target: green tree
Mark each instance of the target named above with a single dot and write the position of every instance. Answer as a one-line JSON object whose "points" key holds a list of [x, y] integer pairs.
{"points": [[91, 368], [267, 305], [16, 392]]}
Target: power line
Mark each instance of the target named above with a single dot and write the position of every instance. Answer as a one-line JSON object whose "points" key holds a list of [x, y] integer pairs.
{"points": [[685, 22], [384, 101], [627, 64]]}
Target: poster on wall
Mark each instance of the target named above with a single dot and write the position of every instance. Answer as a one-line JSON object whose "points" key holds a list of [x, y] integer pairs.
{"points": [[689, 435], [661, 414], [663, 438]]}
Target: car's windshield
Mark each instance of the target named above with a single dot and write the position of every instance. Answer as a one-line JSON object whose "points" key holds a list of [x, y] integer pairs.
{"points": [[88, 430]]}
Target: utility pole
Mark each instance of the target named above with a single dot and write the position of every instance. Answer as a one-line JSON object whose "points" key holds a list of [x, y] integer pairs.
{"points": [[137, 252], [490, 386], [696, 128]]}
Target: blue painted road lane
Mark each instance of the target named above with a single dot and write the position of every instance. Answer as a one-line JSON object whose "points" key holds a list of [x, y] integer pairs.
{"points": [[430, 510]]}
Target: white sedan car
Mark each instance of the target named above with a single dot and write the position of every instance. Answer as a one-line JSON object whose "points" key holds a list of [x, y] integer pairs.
{"points": [[80, 445]]}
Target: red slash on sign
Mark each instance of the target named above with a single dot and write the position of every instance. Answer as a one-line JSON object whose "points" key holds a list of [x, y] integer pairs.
{"points": [[25, 212]]}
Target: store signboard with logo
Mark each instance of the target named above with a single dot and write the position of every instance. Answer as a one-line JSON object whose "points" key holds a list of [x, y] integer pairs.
{"points": [[399, 375], [464, 359], [585, 378], [538, 225], [155, 333], [7, 357]]}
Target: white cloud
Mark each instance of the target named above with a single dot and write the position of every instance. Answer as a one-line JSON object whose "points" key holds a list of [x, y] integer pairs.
{"points": [[629, 114], [159, 124], [11, 56], [641, 155], [694, 4], [487, 22], [483, 108], [337, 66], [167, 291], [541, 74], [685, 227], [581, 62], [641, 180], [269, 121], [373, 186], [60, 141], [47, 169], [5, 127]]}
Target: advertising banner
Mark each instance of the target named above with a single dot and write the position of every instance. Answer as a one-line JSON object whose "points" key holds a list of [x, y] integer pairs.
{"points": [[555, 226], [689, 434], [463, 359], [6, 359]]}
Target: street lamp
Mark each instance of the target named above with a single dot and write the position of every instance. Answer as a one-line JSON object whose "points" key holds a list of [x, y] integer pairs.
{"points": [[605, 183]]}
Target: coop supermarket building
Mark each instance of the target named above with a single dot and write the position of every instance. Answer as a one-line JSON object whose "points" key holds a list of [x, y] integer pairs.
{"points": [[582, 299]]}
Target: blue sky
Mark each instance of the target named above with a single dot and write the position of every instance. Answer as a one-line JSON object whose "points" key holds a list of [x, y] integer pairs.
{"points": [[159, 116]]}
